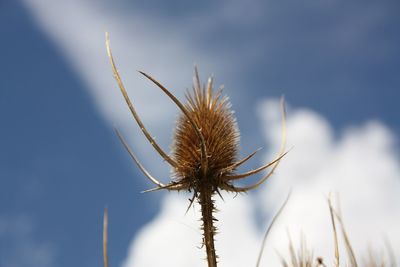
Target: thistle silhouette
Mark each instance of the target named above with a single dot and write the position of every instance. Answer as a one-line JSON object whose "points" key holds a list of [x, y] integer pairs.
{"points": [[204, 150]]}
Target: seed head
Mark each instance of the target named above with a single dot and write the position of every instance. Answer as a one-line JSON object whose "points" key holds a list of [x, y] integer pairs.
{"points": [[215, 120], [206, 140]]}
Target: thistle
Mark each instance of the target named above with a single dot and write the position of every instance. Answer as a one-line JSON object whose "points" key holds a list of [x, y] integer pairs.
{"points": [[204, 151]]}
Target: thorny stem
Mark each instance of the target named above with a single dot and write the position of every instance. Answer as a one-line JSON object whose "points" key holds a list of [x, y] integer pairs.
{"points": [[207, 209]]}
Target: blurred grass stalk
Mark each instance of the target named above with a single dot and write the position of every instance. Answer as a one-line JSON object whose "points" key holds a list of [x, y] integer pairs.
{"points": [[304, 256], [105, 238]]}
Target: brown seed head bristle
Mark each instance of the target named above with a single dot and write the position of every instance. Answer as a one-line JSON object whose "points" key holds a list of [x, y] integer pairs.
{"points": [[213, 116]]}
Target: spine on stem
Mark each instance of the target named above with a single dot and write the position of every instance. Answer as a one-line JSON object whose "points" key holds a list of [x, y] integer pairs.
{"points": [[209, 230]]}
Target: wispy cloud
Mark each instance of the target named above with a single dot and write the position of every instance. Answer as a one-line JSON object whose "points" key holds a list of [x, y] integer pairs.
{"points": [[139, 42], [360, 166]]}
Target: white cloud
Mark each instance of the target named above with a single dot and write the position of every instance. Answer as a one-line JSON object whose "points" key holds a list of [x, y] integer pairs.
{"points": [[176, 238], [360, 165]]}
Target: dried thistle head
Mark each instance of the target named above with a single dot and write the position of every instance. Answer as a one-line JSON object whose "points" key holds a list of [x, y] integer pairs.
{"points": [[215, 120], [204, 150], [206, 140]]}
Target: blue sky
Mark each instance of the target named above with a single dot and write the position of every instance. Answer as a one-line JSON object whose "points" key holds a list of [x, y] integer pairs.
{"points": [[60, 161]]}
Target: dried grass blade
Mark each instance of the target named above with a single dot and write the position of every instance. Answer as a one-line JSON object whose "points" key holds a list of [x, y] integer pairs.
{"points": [[349, 248], [335, 238], [270, 227], [105, 238]]}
